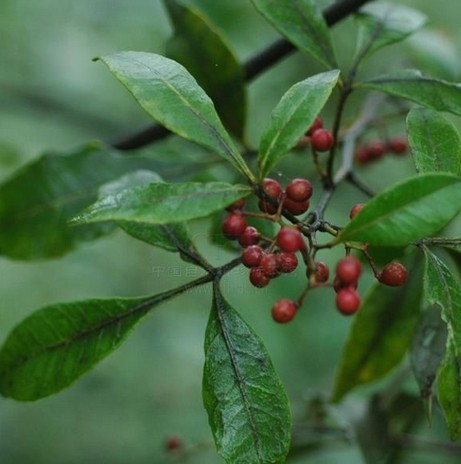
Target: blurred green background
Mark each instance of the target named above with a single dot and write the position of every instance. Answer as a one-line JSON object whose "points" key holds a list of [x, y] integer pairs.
{"points": [[53, 97]]}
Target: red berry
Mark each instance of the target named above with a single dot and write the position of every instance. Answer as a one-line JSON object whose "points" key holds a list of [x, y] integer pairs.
{"points": [[317, 124], [173, 443], [348, 301], [348, 270], [397, 145], [356, 209], [362, 155], [237, 206], [284, 310], [272, 188], [269, 265], [303, 142], [322, 273], [251, 256], [290, 239], [322, 140], [376, 150], [267, 207], [295, 207], [250, 236], [258, 278], [394, 274], [299, 190], [286, 262], [234, 225]]}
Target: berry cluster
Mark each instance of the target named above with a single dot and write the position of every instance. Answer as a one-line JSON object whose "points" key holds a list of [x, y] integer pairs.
{"points": [[269, 257], [373, 151]]}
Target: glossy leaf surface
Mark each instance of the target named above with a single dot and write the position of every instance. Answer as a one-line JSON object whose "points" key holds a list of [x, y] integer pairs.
{"points": [[411, 85], [162, 203], [57, 344], [246, 403], [302, 23], [169, 93], [293, 115], [435, 142], [407, 211]]}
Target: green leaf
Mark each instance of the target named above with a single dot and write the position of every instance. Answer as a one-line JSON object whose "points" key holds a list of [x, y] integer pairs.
{"points": [[302, 23], [428, 350], [382, 24], [380, 334], [200, 48], [407, 211], [411, 85], [246, 403], [162, 203], [293, 115], [168, 93], [38, 201], [435, 142], [443, 288], [57, 344]]}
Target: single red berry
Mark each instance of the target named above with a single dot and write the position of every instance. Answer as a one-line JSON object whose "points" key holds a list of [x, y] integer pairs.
{"points": [[251, 256], [299, 190], [295, 207], [394, 274], [322, 273], [322, 140], [376, 150], [284, 310], [237, 206], [272, 188], [173, 443], [269, 265], [339, 285], [250, 236], [258, 278], [356, 209], [267, 207], [397, 145], [362, 155], [348, 301], [317, 124], [290, 239], [286, 262], [348, 270], [234, 225]]}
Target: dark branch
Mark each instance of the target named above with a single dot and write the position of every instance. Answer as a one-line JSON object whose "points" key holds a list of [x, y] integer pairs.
{"points": [[252, 68]]}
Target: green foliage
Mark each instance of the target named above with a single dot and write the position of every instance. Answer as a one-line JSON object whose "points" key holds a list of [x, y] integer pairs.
{"points": [[199, 94], [435, 143], [380, 334], [246, 403], [294, 114], [405, 212], [162, 203], [184, 107], [302, 24], [201, 49]]}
